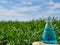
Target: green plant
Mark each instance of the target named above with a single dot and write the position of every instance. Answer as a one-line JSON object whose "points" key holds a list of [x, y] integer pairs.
{"points": [[24, 33]]}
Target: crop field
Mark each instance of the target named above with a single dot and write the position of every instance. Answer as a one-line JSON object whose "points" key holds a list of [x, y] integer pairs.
{"points": [[24, 33]]}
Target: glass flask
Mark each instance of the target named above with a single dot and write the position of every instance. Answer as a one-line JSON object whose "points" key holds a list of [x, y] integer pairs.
{"points": [[49, 36]]}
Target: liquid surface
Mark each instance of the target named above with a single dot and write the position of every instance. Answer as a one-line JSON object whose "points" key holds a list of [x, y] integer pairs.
{"points": [[49, 36]]}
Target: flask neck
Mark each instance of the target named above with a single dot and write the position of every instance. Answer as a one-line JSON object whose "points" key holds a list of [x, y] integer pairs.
{"points": [[48, 25]]}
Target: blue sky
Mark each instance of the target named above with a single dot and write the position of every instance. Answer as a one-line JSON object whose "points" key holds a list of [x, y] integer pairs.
{"points": [[24, 10]]}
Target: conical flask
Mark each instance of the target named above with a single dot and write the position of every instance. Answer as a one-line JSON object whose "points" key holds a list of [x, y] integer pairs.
{"points": [[49, 36]]}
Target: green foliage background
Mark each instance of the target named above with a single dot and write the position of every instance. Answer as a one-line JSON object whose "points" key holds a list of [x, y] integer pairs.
{"points": [[24, 33]]}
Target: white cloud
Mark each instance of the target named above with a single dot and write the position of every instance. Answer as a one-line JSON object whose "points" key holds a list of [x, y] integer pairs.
{"points": [[50, 10], [56, 5], [9, 12], [34, 9], [52, 7], [14, 12], [26, 9], [24, 2]]}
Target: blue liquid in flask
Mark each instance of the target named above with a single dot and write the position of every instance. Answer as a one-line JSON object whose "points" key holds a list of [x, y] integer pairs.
{"points": [[49, 36]]}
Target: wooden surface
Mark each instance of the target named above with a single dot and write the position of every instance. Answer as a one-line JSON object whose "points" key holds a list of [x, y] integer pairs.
{"points": [[40, 43]]}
